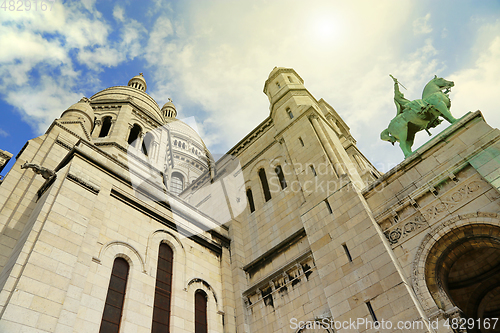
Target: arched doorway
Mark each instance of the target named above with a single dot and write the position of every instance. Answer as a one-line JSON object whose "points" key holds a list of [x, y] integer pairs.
{"points": [[462, 270]]}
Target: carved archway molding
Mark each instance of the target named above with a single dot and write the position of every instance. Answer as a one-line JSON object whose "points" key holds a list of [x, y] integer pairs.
{"points": [[436, 234]]}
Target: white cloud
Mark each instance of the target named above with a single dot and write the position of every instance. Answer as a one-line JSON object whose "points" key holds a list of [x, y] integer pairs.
{"points": [[52, 44], [477, 88], [3, 133], [41, 104], [421, 25], [119, 13]]}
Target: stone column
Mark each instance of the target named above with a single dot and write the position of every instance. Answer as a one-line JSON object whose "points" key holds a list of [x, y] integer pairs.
{"points": [[324, 142], [97, 128]]}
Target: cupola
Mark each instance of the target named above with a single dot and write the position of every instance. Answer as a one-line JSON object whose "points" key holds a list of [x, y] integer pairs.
{"points": [[168, 110], [138, 82]]}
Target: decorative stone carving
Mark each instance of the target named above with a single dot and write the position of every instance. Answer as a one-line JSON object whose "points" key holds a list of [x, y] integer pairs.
{"points": [[402, 230], [456, 198], [39, 170]]}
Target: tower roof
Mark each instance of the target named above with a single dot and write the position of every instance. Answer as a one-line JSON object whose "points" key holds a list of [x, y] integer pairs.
{"points": [[169, 109], [138, 82]]}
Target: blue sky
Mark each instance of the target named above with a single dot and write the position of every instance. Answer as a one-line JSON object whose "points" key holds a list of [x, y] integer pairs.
{"points": [[212, 58]]}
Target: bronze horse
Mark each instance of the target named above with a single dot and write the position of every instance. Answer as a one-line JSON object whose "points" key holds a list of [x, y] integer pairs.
{"points": [[420, 114]]}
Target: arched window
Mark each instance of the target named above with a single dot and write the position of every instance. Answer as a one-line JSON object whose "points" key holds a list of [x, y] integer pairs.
{"points": [[147, 143], [113, 307], [265, 185], [134, 134], [290, 114], [163, 290], [200, 312], [250, 200], [281, 176], [106, 126], [176, 183]]}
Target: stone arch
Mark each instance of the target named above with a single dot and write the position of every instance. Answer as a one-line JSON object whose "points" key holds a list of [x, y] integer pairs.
{"points": [[457, 265], [123, 249], [164, 236], [199, 283], [214, 312], [107, 255]]}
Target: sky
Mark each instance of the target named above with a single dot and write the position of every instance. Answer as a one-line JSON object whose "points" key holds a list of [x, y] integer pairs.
{"points": [[213, 57]]}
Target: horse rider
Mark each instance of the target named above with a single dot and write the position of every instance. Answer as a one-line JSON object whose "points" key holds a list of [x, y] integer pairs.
{"points": [[399, 98]]}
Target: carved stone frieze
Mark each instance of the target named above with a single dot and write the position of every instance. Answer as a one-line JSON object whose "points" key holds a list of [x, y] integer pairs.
{"points": [[455, 199], [404, 229]]}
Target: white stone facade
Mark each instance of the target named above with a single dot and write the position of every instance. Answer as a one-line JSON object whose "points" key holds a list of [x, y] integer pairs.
{"points": [[329, 237]]}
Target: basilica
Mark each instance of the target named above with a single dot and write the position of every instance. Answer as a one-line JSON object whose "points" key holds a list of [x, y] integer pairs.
{"points": [[119, 219]]}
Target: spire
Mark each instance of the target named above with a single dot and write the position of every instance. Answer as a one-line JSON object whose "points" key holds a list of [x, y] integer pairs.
{"points": [[138, 82]]}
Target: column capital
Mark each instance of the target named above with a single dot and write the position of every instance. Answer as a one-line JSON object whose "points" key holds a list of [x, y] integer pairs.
{"points": [[313, 116]]}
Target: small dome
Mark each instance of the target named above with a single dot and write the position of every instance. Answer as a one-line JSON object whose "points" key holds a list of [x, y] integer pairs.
{"points": [[77, 110], [138, 82], [168, 110]]}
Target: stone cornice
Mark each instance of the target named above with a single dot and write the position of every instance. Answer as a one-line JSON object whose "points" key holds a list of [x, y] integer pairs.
{"points": [[60, 123], [80, 181], [290, 92], [251, 137]]}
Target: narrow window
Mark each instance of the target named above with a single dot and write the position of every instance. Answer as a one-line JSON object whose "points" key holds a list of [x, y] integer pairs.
{"points": [[200, 312], [250, 200], [301, 142], [347, 253], [265, 185], [290, 114], [177, 183], [278, 85], [328, 206], [134, 134], [163, 290], [113, 308], [281, 176], [147, 143], [313, 170], [106, 126], [290, 79], [372, 313]]}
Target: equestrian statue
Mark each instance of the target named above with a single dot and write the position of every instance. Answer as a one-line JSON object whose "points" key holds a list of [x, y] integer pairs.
{"points": [[420, 114]]}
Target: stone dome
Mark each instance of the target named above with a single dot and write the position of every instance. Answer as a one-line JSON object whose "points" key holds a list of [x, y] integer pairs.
{"points": [[81, 111]]}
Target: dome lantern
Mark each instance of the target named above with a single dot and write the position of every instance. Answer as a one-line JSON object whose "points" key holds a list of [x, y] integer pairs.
{"points": [[168, 110], [138, 82]]}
